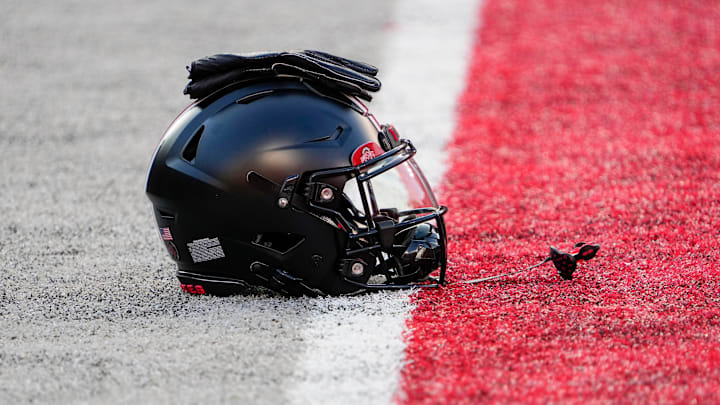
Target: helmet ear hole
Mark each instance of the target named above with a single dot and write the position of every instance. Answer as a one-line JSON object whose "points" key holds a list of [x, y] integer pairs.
{"points": [[190, 151]]}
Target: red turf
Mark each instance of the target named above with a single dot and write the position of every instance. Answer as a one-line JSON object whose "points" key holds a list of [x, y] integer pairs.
{"points": [[594, 121]]}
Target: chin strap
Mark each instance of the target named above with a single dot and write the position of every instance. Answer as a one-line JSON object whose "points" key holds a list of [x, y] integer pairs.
{"points": [[565, 263]]}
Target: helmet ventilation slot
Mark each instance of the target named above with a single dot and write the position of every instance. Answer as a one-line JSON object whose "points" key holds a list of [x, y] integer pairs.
{"points": [[254, 97], [190, 150], [279, 242], [166, 215], [332, 137]]}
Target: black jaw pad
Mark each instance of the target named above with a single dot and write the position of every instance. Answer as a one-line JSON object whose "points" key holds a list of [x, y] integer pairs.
{"points": [[565, 263], [587, 252]]}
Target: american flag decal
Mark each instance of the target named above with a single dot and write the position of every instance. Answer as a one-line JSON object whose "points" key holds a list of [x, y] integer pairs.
{"points": [[165, 234]]}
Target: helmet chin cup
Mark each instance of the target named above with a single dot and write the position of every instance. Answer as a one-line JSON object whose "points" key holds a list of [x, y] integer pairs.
{"points": [[423, 252]]}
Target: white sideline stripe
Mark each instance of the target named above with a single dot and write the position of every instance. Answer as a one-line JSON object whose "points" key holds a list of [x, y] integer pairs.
{"points": [[424, 73], [355, 346]]}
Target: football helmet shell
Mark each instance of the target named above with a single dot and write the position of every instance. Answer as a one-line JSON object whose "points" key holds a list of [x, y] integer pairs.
{"points": [[273, 183]]}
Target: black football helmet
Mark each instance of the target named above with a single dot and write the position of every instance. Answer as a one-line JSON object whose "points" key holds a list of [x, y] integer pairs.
{"points": [[281, 178]]}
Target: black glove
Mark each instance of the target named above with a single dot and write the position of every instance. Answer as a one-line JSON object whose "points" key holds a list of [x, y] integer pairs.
{"points": [[347, 76]]}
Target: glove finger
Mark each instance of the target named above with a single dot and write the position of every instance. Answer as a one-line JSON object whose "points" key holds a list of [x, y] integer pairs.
{"points": [[197, 89], [332, 70], [340, 85], [212, 65], [355, 65]]}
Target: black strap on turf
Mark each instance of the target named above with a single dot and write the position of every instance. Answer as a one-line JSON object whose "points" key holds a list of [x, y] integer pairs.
{"points": [[565, 263], [512, 273], [350, 77]]}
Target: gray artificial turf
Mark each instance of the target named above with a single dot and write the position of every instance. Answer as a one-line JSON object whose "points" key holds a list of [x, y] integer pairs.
{"points": [[90, 310]]}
